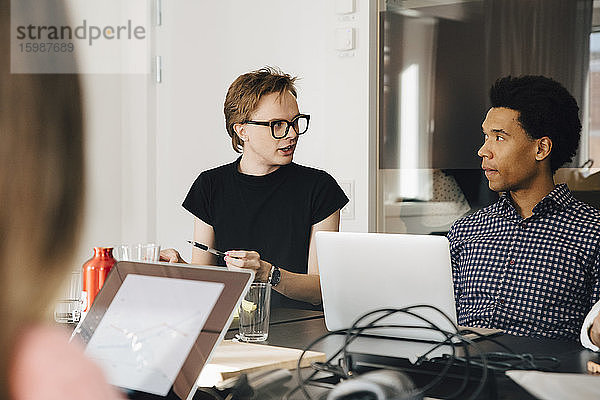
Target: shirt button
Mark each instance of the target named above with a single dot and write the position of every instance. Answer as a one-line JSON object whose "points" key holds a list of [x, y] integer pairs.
{"points": [[501, 301], [512, 262]]}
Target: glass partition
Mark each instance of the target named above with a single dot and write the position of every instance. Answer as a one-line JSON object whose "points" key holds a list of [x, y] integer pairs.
{"points": [[437, 61]]}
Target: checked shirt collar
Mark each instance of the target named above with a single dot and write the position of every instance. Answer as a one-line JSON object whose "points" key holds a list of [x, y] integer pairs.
{"points": [[558, 199]]}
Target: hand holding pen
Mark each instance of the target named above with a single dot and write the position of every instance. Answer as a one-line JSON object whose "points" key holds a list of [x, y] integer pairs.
{"points": [[208, 249], [173, 256], [241, 259], [249, 260]]}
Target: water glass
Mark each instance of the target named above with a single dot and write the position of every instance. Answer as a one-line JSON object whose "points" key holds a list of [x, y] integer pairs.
{"points": [[148, 252], [67, 311], [68, 308], [254, 313]]}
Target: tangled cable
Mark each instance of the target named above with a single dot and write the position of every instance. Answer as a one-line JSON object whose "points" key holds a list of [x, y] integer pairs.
{"points": [[485, 362]]}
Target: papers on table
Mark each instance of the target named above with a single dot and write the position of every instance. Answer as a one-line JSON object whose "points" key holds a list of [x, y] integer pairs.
{"points": [[232, 358], [557, 385]]}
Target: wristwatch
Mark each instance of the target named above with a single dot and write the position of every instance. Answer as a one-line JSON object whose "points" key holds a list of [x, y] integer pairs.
{"points": [[274, 276]]}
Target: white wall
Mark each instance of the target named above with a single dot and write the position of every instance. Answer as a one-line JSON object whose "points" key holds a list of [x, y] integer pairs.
{"points": [[102, 104], [120, 178], [206, 45], [162, 136]]}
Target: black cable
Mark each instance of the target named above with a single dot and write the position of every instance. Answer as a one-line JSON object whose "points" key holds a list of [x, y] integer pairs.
{"points": [[388, 312], [450, 361], [510, 353], [303, 381], [406, 310], [484, 371], [466, 376], [298, 365], [481, 336], [505, 361], [444, 371], [353, 332], [448, 340]]}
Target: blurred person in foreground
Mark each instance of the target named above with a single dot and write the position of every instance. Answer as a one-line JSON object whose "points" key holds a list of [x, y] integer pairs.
{"points": [[41, 197]]}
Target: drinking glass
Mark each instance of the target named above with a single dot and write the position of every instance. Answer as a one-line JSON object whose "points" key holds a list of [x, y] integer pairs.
{"points": [[149, 252], [68, 307], [254, 313]]}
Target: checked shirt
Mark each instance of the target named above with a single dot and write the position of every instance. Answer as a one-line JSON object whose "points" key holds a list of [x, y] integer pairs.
{"points": [[537, 276]]}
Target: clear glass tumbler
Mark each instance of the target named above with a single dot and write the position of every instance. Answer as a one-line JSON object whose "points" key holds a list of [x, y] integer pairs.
{"points": [[148, 252], [254, 313], [68, 307]]}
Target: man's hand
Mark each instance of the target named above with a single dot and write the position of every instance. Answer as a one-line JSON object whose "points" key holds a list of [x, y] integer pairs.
{"points": [[595, 331], [172, 256], [250, 260]]}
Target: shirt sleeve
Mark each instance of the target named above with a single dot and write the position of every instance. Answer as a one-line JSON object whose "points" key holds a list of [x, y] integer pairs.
{"points": [[587, 323], [454, 258], [595, 300], [328, 198], [595, 276], [199, 199]]}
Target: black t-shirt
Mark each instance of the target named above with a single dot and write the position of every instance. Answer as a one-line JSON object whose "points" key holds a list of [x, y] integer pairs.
{"points": [[271, 214]]}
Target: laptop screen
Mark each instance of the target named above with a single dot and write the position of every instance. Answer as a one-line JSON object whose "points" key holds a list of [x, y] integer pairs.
{"points": [[152, 327], [363, 272]]}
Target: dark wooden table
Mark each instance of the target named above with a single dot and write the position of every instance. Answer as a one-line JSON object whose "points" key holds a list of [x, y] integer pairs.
{"points": [[280, 316], [300, 330]]}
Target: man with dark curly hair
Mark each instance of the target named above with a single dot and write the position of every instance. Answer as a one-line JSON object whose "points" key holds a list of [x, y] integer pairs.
{"points": [[529, 263]]}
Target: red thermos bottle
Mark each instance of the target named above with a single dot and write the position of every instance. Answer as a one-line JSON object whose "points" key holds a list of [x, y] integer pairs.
{"points": [[95, 271]]}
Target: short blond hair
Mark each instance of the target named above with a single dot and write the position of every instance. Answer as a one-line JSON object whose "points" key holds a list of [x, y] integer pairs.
{"points": [[245, 93]]}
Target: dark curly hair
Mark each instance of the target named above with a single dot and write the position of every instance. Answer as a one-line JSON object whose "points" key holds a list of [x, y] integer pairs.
{"points": [[545, 108]]}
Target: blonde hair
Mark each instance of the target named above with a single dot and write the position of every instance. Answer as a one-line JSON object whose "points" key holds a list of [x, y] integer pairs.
{"points": [[41, 191], [245, 93]]}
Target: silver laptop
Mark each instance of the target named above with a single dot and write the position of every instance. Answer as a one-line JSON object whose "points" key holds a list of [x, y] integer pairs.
{"points": [[362, 272], [153, 327]]}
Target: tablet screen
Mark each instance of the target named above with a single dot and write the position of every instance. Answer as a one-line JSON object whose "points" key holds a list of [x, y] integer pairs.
{"points": [[148, 329]]}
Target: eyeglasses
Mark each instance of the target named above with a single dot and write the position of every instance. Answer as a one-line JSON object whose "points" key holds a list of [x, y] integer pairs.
{"points": [[281, 127]]}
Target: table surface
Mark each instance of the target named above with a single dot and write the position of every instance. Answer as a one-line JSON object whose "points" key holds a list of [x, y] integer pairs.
{"points": [[281, 316], [301, 327]]}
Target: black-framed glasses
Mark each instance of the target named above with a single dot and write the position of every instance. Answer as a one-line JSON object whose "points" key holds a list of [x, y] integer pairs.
{"points": [[281, 127]]}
